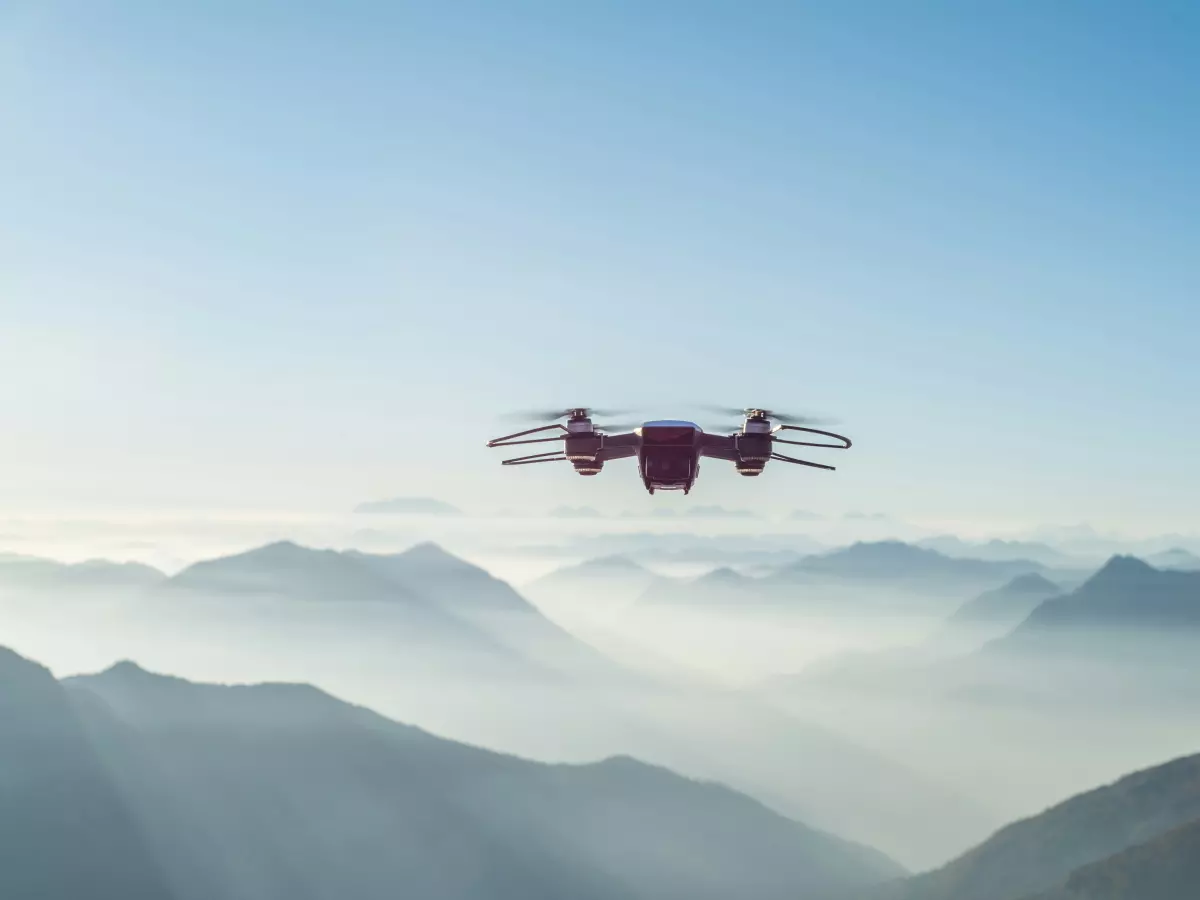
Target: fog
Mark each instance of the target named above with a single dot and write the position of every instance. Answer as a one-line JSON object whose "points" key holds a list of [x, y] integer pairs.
{"points": [[835, 696]]}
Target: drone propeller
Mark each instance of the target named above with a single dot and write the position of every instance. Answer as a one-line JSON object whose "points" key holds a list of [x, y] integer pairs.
{"points": [[552, 415], [783, 418]]}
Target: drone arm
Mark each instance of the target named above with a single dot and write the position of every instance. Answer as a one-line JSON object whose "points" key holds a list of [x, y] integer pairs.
{"points": [[719, 446], [508, 439], [618, 446], [552, 456], [800, 462], [609, 452], [844, 445]]}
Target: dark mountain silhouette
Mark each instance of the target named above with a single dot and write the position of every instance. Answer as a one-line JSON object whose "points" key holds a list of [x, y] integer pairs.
{"points": [[1005, 607], [1040, 853], [35, 573], [65, 831], [1166, 868], [277, 791], [1126, 594], [409, 506]]}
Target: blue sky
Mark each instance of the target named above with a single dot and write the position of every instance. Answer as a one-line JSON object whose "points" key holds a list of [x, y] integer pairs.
{"points": [[300, 254]]}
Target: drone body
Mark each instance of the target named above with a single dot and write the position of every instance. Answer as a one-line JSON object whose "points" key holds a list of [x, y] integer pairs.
{"points": [[668, 451]]}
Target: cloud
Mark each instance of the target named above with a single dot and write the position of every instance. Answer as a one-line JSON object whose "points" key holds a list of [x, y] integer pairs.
{"points": [[409, 506]]}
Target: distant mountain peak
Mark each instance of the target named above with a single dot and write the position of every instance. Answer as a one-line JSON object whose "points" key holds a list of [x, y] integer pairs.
{"points": [[1124, 567], [724, 574], [125, 668], [434, 554], [614, 561], [428, 549], [1030, 583]]}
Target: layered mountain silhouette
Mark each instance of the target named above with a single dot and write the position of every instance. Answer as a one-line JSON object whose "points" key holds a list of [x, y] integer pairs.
{"points": [[1128, 828], [997, 550], [720, 587], [1000, 610], [35, 573], [132, 785], [605, 583], [899, 562], [1127, 598], [444, 601]]}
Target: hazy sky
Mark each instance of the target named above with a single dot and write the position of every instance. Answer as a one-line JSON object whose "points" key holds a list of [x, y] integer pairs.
{"points": [[269, 254]]}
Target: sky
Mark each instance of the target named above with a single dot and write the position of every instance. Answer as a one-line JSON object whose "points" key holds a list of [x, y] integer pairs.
{"points": [[298, 255]]}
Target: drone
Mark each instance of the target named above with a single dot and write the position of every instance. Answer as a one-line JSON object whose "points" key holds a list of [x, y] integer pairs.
{"points": [[668, 451]]}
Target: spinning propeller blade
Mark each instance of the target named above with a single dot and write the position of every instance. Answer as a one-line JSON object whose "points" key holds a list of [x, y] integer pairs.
{"points": [[780, 417], [553, 415]]}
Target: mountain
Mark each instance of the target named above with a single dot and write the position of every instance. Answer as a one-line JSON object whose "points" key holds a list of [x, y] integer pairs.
{"points": [[301, 573], [1005, 607], [445, 602], [35, 573], [64, 829], [1042, 852], [1166, 868], [719, 587], [428, 571], [996, 550], [898, 561], [279, 790], [1126, 594], [474, 595], [409, 506], [604, 584]]}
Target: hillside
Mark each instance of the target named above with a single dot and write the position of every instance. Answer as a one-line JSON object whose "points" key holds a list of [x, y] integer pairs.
{"points": [[1042, 852], [1166, 868], [64, 829], [277, 791]]}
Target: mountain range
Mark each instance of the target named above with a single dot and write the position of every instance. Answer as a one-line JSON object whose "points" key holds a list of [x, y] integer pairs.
{"points": [[133, 785]]}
